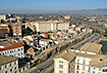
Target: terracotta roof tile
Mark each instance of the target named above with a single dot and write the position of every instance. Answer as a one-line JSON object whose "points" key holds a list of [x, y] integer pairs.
{"points": [[15, 45]]}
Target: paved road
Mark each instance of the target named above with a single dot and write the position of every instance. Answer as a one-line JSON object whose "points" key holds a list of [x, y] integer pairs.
{"points": [[90, 39], [47, 64], [41, 67]]}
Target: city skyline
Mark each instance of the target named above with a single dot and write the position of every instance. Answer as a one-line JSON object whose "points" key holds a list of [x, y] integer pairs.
{"points": [[28, 6]]}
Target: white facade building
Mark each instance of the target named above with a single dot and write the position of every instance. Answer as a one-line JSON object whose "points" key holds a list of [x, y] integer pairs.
{"points": [[2, 17], [45, 26], [16, 50]]}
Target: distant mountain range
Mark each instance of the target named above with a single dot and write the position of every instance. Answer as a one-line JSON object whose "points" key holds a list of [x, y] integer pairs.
{"points": [[85, 11]]}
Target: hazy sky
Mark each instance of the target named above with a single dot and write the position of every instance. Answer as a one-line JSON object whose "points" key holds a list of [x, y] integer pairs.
{"points": [[40, 5]]}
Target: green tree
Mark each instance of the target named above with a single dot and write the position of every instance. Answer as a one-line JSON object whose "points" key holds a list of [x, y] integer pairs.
{"points": [[97, 31], [105, 31]]}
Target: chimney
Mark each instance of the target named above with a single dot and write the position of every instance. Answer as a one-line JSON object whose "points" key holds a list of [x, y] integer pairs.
{"points": [[101, 59]]}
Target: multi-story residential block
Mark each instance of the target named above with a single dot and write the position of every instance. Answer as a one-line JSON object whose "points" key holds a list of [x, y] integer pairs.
{"points": [[83, 61], [85, 55], [15, 50], [45, 26], [64, 63], [4, 29], [62, 26], [8, 64], [17, 30], [2, 17]]}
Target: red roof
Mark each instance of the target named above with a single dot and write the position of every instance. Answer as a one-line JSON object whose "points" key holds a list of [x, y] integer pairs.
{"points": [[44, 35], [15, 45]]}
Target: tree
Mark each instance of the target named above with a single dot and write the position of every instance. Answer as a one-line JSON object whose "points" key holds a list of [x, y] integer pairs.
{"points": [[97, 31], [106, 31]]}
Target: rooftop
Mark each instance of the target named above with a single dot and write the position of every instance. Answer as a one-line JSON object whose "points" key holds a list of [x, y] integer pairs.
{"points": [[80, 26], [3, 25], [15, 45], [99, 61], [47, 22], [4, 60], [91, 47], [5, 44], [69, 55], [45, 40], [85, 55]]}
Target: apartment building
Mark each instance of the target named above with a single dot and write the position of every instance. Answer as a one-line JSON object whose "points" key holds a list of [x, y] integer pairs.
{"points": [[17, 30], [62, 26], [8, 64], [2, 17], [15, 50], [84, 56], [45, 26], [64, 63], [99, 64], [83, 61], [4, 30]]}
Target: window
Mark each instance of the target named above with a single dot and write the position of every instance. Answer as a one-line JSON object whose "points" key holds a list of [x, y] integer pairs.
{"points": [[83, 61], [19, 70], [77, 72], [18, 49], [60, 71], [104, 70], [60, 61], [15, 68], [16, 29], [5, 66], [23, 68], [5, 71], [27, 67], [77, 67], [83, 67], [10, 70], [100, 69], [10, 51], [60, 66], [21, 48], [15, 63], [15, 71], [10, 64], [93, 68], [77, 61]]}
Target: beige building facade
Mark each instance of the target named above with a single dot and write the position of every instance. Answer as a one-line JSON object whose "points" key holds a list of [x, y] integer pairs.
{"points": [[45, 26], [85, 60], [64, 63], [8, 64]]}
